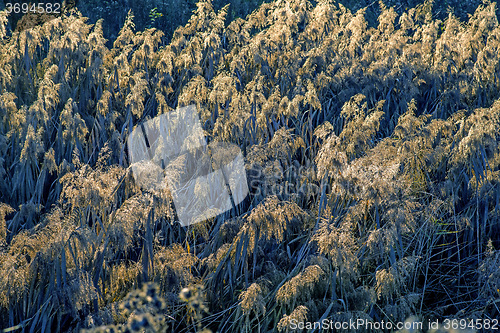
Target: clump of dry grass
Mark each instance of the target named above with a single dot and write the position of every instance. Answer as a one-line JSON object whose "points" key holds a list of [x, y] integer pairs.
{"points": [[301, 287], [299, 314]]}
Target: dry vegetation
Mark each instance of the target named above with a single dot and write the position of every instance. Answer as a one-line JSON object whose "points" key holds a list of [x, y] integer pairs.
{"points": [[371, 153]]}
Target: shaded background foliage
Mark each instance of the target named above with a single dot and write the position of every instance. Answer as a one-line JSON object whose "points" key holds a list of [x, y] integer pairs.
{"points": [[168, 15], [175, 13], [371, 150]]}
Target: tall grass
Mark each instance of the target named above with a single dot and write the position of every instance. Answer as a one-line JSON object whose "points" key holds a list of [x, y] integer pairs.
{"points": [[371, 155]]}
